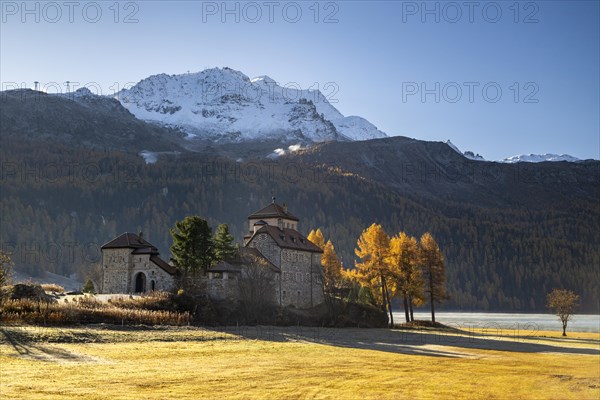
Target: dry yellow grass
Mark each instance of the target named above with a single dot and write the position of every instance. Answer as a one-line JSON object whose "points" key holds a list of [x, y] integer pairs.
{"points": [[187, 363]]}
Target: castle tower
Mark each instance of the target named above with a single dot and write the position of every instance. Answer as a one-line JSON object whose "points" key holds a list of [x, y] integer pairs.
{"points": [[273, 231]]}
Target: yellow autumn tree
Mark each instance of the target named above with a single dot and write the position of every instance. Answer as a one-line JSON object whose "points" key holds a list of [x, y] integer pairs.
{"points": [[434, 270], [404, 266], [332, 268], [317, 238], [373, 271]]}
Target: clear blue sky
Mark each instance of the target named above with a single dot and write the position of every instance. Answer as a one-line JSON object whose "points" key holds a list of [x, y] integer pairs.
{"points": [[379, 54]]}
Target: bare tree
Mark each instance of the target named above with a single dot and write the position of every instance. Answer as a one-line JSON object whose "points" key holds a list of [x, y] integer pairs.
{"points": [[5, 275], [256, 287], [5, 268], [96, 274], [563, 303]]}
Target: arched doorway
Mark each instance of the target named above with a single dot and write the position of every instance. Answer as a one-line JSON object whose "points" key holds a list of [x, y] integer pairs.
{"points": [[140, 282]]}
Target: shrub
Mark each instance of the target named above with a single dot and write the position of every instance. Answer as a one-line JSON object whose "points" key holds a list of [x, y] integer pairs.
{"points": [[53, 287], [86, 311], [157, 301], [88, 287]]}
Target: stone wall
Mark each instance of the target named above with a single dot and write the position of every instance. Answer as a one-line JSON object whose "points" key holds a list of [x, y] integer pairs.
{"points": [[223, 286], [267, 247], [120, 268], [142, 264], [115, 268], [301, 282], [300, 279]]}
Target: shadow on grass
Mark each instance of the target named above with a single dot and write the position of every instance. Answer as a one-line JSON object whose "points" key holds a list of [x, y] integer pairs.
{"points": [[450, 343], [27, 345]]}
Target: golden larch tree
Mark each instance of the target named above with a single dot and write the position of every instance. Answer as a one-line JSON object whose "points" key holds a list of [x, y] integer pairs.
{"points": [[373, 271], [332, 268], [404, 264], [434, 270], [317, 238]]}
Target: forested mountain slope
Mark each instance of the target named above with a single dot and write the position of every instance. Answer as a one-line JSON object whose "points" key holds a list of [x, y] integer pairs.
{"points": [[510, 233]]}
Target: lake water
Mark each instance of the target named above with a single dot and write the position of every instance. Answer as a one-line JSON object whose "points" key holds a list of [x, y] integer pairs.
{"points": [[540, 322]]}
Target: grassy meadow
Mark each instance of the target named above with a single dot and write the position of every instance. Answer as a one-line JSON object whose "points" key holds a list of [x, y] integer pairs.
{"points": [[111, 362]]}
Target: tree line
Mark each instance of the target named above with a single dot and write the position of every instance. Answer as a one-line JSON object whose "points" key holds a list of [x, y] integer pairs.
{"points": [[498, 259], [194, 247], [390, 267]]}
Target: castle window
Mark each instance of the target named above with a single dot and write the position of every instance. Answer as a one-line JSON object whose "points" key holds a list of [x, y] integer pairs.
{"points": [[284, 294]]}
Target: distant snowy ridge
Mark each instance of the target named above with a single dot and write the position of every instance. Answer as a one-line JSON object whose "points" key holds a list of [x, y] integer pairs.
{"points": [[531, 158], [222, 104], [535, 158]]}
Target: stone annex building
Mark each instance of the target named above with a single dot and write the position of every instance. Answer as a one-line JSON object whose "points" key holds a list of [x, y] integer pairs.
{"points": [[130, 264]]}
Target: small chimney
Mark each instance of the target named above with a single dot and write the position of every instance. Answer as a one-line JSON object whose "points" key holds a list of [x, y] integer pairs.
{"points": [[141, 236], [273, 199], [285, 208]]}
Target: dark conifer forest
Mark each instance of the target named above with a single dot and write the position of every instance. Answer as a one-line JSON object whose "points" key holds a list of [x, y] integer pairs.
{"points": [[509, 233]]}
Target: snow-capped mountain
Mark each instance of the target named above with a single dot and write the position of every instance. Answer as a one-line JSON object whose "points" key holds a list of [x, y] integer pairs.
{"points": [[226, 105], [535, 158], [531, 158]]}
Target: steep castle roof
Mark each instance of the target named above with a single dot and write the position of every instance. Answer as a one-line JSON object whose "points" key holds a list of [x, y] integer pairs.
{"points": [[288, 239], [129, 240], [273, 210]]}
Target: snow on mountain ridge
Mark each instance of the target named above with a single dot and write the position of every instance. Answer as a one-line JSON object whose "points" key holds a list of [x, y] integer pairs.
{"points": [[535, 158], [226, 104], [468, 154], [532, 158]]}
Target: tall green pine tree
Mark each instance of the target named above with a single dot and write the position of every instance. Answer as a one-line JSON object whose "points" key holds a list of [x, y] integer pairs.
{"points": [[193, 247], [223, 241]]}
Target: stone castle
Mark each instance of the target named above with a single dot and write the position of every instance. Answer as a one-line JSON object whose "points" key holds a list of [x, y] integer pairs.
{"points": [[130, 264]]}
